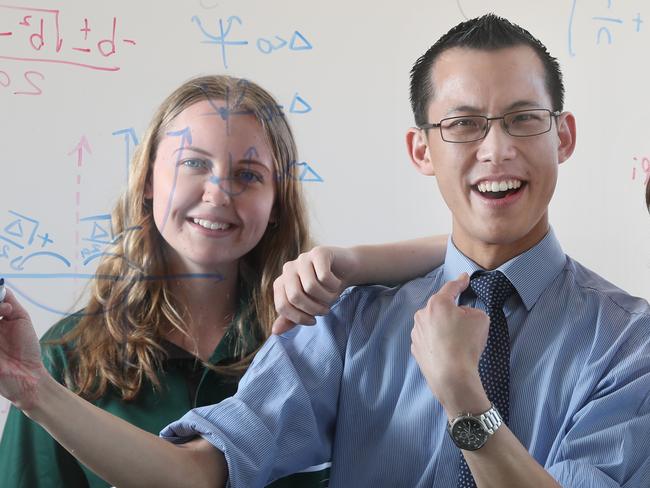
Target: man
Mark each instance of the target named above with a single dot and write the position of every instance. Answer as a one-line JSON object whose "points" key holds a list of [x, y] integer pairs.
{"points": [[560, 393]]}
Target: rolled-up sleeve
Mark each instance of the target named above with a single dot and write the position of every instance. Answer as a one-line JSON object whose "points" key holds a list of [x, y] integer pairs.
{"points": [[607, 441], [282, 418]]}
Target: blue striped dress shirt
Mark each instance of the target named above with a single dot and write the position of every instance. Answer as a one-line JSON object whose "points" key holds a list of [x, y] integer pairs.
{"points": [[348, 390]]}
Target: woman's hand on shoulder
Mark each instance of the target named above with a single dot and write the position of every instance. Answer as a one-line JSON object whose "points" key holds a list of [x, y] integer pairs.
{"points": [[21, 366], [310, 284]]}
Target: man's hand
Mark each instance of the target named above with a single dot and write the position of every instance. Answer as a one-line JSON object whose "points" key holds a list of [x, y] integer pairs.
{"points": [[309, 285], [20, 354], [447, 342]]}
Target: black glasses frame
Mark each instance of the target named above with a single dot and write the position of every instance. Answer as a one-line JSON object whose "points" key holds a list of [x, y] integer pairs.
{"points": [[488, 125]]}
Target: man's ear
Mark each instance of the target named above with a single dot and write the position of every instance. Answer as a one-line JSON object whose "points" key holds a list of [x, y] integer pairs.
{"points": [[419, 150], [566, 131]]}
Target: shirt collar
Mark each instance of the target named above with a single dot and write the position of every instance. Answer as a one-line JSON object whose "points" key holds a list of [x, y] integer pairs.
{"points": [[224, 350], [530, 273], [227, 347], [175, 352]]}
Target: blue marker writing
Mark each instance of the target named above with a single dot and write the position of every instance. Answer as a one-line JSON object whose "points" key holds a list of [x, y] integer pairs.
{"points": [[3, 292]]}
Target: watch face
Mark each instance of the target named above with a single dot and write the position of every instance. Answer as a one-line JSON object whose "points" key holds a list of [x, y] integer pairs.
{"points": [[468, 434]]}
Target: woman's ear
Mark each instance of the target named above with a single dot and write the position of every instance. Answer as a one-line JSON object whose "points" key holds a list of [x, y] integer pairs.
{"points": [[419, 150], [148, 187], [273, 218]]}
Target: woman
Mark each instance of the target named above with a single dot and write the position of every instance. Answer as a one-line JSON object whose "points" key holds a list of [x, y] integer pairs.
{"points": [[204, 228], [183, 298]]}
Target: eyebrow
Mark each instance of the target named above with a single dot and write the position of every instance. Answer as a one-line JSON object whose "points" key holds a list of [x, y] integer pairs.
{"points": [[466, 109], [522, 104], [195, 149], [470, 109], [248, 162]]}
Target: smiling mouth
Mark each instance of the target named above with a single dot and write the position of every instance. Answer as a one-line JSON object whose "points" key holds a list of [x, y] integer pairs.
{"points": [[207, 224], [496, 190]]}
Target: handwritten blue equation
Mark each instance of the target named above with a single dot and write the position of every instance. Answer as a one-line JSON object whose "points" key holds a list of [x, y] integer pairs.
{"points": [[603, 21], [22, 241], [294, 41]]}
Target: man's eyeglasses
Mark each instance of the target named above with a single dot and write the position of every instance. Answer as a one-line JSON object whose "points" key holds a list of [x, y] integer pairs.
{"points": [[470, 128]]}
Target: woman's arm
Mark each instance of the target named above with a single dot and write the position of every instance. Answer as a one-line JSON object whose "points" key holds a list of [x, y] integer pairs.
{"points": [[309, 284], [396, 262], [116, 450], [28, 454]]}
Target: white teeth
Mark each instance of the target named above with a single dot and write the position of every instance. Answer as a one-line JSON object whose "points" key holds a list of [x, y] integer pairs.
{"points": [[496, 186], [212, 225]]}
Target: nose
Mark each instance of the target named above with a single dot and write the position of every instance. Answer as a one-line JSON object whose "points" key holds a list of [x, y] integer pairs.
{"points": [[497, 145], [214, 194]]}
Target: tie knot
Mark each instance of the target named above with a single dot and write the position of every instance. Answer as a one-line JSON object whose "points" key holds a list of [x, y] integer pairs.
{"points": [[492, 288]]}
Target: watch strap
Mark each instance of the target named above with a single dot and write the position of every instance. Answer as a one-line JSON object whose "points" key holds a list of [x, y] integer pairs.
{"points": [[491, 420]]}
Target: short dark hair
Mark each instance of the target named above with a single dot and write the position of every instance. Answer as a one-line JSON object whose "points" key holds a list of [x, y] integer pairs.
{"points": [[488, 33]]}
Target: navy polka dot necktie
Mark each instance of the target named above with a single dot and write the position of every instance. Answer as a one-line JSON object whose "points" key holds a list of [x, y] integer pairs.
{"points": [[494, 365]]}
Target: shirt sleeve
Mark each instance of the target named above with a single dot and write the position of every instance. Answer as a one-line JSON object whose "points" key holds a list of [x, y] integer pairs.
{"points": [[607, 441], [282, 418], [29, 456]]}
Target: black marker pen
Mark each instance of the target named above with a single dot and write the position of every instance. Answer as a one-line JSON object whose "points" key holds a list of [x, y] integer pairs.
{"points": [[3, 292]]}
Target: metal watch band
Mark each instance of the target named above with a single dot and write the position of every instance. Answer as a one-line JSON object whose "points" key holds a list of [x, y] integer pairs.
{"points": [[491, 420]]}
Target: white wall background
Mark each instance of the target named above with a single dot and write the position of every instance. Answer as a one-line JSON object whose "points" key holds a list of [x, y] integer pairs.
{"points": [[340, 68]]}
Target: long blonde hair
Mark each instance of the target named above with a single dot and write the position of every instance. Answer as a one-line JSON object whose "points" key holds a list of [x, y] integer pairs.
{"points": [[117, 342]]}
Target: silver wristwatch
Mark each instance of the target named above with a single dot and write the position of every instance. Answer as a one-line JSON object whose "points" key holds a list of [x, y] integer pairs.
{"points": [[471, 432]]}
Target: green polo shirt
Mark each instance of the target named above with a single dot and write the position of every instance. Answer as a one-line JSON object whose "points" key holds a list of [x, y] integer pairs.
{"points": [[31, 458]]}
